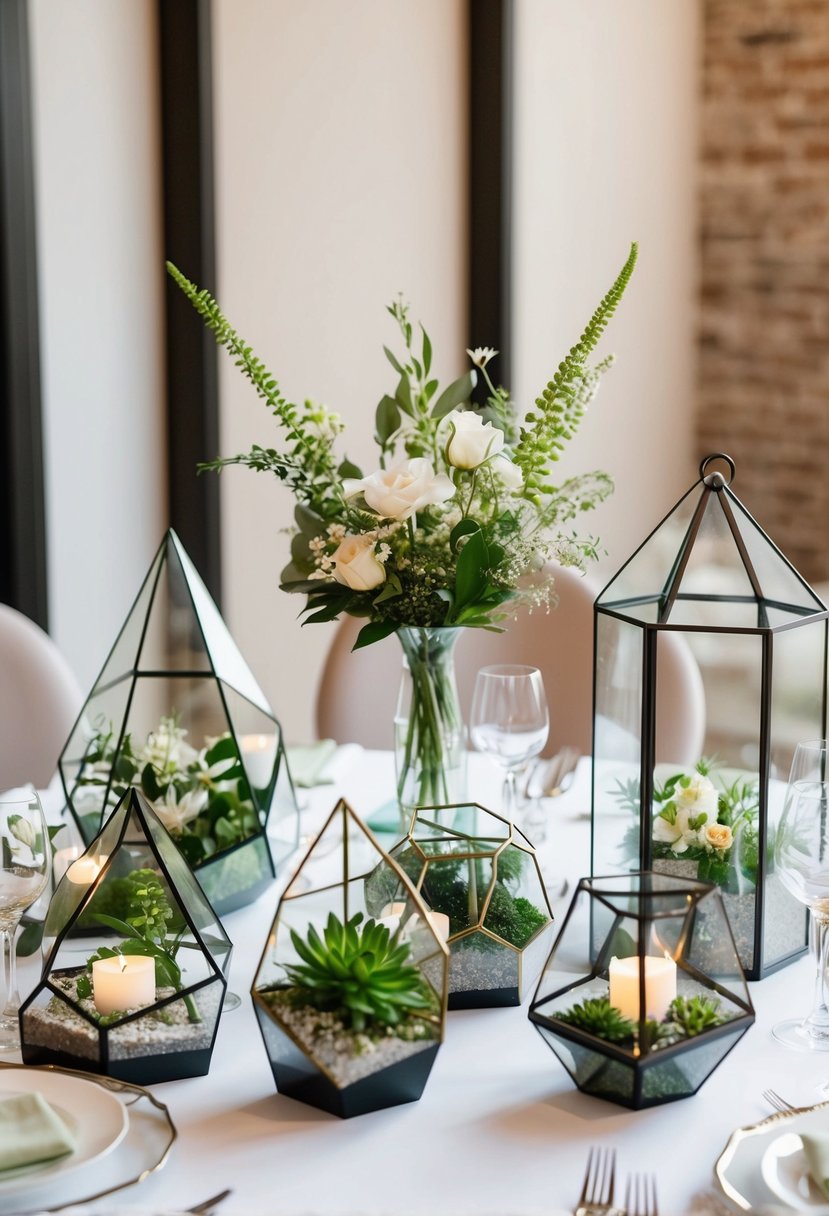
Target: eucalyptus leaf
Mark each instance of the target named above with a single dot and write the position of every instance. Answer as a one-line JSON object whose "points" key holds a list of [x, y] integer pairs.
{"points": [[374, 631], [393, 361], [347, 468], [403, 395], [386, 420]]}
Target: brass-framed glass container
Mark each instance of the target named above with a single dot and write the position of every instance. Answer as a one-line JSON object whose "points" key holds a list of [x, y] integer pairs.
{"points": [[135, 960], [350, 999], [177, 713], [479, 877], [643, 994], [707, 625]]}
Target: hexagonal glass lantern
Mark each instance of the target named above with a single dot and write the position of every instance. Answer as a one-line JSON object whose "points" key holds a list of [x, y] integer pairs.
{"points": [[135, 959], [351, 1001], [707, 624], [479, 876], [177, 713], [643, 994]]}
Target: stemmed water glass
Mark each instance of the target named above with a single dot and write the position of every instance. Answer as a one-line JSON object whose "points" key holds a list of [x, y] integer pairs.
{"points": [[509, 720], [25, 866], [801, 860]]}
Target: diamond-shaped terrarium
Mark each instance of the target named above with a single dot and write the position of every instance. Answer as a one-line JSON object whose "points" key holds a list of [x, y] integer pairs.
{"points": [[177, 713], [643, 994], [479, 877], [135, 960], [351, 1004]]}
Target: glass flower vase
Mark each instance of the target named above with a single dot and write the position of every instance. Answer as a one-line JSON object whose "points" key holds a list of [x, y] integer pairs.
{"points": [[430, 740]]}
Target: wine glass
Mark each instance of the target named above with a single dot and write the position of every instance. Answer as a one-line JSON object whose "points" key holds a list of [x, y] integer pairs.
{"points": [[25, 866], [801, 859], [509, 720]]}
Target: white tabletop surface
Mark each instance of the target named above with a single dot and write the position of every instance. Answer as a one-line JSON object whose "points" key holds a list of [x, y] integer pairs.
{"points": [[500, 1128]]}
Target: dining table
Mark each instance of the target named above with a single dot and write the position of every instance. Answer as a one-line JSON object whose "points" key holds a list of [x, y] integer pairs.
{"points": [[500, 1130]]}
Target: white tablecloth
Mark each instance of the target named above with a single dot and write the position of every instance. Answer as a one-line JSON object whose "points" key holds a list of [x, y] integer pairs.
{"points": [[500, 1128]]}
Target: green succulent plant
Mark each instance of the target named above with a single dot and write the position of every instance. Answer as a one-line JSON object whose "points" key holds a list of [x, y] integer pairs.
{"points": [[360, 972], [597, 1016], [694, 1014]]}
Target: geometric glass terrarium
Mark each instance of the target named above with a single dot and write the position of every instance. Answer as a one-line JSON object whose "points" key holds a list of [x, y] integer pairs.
{"points": [[351, 1002], [477, 872], [177, 713], [708, 581], [135, 959], [643, 994]]}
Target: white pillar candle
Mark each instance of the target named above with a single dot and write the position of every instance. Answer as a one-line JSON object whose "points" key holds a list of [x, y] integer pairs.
{"points": [[660, 985], [86, 869], [390, 916], [258, 756], [124, 982], [63, 860], [440, 923]]}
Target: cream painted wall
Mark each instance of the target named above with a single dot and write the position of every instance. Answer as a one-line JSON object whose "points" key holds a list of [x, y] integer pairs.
{"points": [[341, 174], [94, 84], [606, 133]]}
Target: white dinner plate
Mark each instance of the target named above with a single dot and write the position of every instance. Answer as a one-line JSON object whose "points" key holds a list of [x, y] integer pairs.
{"points": [[764, 1165], [785, 1172], [97, 1119]]}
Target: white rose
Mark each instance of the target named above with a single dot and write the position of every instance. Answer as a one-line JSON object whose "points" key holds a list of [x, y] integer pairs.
{"points": [[471, 440], [718, 836], [679, 835], [356, 565], [698, 797], [400, 491], [508, 472]]}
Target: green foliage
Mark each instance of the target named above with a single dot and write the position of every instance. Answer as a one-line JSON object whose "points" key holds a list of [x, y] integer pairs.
{"points": [[597, 1016], [561, 406], [686, 1018], [691, 1015], [360, 972], [145, 931]]}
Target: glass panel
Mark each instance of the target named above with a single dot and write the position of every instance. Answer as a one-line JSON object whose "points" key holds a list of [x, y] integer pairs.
{"points": [[777, 578], [648, 572], [172, 639], [715, 567], [617, 745]]}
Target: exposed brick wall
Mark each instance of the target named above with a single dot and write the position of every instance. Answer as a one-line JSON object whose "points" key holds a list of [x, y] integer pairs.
{"points": [[764, 335]]}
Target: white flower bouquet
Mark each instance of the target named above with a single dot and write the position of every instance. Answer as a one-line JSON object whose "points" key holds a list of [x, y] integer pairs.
{"points": [[461, 507]]}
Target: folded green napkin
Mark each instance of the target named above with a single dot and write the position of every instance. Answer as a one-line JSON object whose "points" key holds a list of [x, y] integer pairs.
{"points": [[31, 1131], [307, 764]]}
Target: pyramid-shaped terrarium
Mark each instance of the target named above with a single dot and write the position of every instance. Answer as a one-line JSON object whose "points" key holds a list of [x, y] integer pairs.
{"points": [[177, 713], [134, 977], [709, 586], [351, 1004], [479, 877], [643, 994]]}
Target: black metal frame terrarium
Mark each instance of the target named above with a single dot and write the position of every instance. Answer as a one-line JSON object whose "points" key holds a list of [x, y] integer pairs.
{"points": [[177, 713], [708, 592], [351, 1003], [133, 980], [480, 874], [643, 994]]}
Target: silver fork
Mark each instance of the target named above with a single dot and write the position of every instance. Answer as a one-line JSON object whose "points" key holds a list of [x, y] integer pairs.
{"points": [[596, 1197], [208, 1205], [774, 1099], [640, 1195]]}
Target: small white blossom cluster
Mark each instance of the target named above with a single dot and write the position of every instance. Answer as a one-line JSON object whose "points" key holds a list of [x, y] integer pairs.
{"points": [[689, 818]]}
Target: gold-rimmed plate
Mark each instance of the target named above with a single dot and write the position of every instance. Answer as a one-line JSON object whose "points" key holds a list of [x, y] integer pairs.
{"points": [[143, 1149], [762, 1165]]}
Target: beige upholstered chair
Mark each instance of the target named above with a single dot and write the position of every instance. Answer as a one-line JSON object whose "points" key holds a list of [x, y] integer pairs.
{"points": [[40, 700], [357, 693]]}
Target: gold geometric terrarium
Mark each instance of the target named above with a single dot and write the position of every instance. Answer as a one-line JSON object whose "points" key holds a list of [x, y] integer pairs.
{"points": [[351, 1000], [135, 959], [479, 876], [643, 994], [177, 713]]}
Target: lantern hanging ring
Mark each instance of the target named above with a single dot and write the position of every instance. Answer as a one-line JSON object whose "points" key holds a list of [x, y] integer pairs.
{"points": [[717, 480]]}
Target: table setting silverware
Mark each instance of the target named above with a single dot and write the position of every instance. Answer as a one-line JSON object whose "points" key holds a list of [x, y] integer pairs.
{"points": [[596, 1197], [640, 1195], [774, 1099]]}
